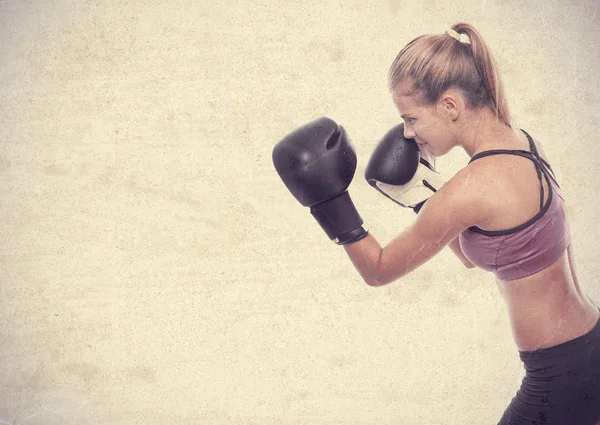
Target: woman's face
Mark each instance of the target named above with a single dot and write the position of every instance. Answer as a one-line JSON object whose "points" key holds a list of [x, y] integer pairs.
{"points": [[429, 125]]}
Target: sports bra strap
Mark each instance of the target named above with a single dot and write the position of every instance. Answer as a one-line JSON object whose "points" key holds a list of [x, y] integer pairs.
{"points": [[533, 155], [491, 152], [537, 155], [518, 152], [541, 167]]}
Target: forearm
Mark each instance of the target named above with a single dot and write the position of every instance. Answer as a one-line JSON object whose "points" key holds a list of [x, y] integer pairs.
{"points": [[366, 258]]}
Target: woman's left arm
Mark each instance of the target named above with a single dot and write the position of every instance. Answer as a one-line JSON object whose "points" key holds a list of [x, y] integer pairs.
{"points": [[447, 213]]}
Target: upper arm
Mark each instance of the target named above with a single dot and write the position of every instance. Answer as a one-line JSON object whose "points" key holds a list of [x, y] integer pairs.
{"points": [[451, 210]]}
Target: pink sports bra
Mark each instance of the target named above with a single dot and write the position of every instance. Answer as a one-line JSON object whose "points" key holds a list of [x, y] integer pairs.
{"points": [[530, 247]]}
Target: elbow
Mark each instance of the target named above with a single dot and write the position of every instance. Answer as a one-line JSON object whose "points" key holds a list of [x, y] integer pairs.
{"points": [[374, 278]]}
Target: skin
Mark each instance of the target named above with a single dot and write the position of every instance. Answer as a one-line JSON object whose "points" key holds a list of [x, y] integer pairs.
{"points": [[545, 309]]}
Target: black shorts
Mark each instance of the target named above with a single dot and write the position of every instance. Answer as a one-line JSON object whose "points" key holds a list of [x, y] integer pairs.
{"points": [[561, 385]]}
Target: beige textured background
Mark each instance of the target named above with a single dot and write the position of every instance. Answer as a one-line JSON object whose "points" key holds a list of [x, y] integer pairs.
{"points": [[153, 267]]}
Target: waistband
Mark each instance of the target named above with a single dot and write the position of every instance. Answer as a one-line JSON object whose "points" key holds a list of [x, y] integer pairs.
{"points": [[569, 348]]}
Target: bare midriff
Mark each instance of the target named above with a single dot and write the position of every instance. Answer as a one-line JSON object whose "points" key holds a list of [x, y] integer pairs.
{"points": [[548, 308]]}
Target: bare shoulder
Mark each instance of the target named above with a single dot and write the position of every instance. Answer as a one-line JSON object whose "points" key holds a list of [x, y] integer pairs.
{"points": [[463, 200], [472, 183]]}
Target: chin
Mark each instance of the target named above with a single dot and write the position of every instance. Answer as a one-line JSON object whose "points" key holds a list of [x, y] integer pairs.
{"points": [[426, 148], [438, 150]]}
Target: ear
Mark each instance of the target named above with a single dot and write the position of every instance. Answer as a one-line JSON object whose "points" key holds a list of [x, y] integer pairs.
{"points": [[449, 104]]}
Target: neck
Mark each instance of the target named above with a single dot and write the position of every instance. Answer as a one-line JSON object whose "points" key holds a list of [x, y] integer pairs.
{"points": [[481, 130]]}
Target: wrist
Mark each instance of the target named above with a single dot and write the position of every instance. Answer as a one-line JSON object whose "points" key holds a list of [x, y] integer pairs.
{"points": [[352, 236], [339, 219]]}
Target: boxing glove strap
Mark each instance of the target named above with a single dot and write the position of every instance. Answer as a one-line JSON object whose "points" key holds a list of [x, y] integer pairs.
{"points": [[352, 236], [339, 219]]}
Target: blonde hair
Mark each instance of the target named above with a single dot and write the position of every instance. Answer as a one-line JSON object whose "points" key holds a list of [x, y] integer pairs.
{"points": [[434, 63]]}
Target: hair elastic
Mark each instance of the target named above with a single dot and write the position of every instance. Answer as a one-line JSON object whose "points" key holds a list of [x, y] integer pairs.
{"points": [[463, 38]]}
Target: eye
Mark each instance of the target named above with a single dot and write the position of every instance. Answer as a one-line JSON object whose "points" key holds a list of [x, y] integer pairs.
{"points": [[411, 120]]}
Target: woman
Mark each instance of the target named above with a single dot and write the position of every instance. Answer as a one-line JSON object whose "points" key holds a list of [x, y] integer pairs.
{"points": [[504, 207]]}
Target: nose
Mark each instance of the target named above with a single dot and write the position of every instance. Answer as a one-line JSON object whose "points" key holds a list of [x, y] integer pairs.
{"points": [[409, 132]]}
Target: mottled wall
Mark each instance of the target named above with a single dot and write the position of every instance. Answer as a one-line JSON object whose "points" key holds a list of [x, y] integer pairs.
{"points": [[153, 267]]}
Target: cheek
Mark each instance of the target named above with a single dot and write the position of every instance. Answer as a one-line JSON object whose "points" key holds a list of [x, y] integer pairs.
{"points": [[424, 129], [430, 128], [420, 126]]}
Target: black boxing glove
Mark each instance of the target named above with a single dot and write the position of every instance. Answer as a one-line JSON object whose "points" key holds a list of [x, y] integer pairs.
{"points": [[401, 171], [317, 163]]}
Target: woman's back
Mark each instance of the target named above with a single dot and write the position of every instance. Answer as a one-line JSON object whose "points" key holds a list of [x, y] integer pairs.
{"points": [[547, 307]]}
